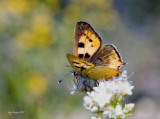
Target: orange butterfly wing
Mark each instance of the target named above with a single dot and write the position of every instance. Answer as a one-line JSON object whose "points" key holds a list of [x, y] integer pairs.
{"points": [[87, 41]]}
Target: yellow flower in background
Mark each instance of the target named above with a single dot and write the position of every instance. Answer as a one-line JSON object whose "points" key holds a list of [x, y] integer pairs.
{"points": [[102, 10], [37, 84], [12, 9], [40, 33], [17, 6]]}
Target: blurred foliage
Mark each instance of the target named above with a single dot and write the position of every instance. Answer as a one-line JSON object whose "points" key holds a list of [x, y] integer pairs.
{"points": [[35, 37], [138, 12]]}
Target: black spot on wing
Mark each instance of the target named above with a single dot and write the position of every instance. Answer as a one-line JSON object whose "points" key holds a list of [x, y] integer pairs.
{"points": [[81, 45], [84, 34], [90, 40], [75, 62], [77, 67], [87, 37], [80, 55], [87, 55]]}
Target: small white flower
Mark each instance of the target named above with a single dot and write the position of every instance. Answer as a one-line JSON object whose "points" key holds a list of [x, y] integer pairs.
{"points": [[95, 118], [105, 99], [88, 103], [124, 88], [107, 114], [94, 109], [123, 75], [129, 107], [74, 89], [119, 111], [101, 98]]}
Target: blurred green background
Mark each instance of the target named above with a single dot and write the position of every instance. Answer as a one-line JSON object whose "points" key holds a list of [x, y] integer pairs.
{"points": [[36, 35]]}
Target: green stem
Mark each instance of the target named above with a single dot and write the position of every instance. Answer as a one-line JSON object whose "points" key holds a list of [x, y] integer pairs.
{"points": [[100, 114]]}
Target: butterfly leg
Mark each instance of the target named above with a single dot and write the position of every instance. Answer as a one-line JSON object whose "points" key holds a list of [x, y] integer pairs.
{"points": [[95, 84], [87, 86], [75, 79]]}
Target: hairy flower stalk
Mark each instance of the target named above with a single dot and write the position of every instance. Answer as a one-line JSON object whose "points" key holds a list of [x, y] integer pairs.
{"points": [[106, 98]]}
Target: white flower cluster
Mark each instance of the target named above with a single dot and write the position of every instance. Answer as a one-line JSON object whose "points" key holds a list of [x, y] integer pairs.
{"points": [[106, 99]]}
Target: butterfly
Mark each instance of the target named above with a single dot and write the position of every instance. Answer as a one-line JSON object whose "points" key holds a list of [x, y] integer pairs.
{"points": [[91, 59]]}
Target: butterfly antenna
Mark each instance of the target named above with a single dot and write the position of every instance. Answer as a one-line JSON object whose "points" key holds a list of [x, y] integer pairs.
{"points": [[67, 65], [63, 78], [59, 81]]}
